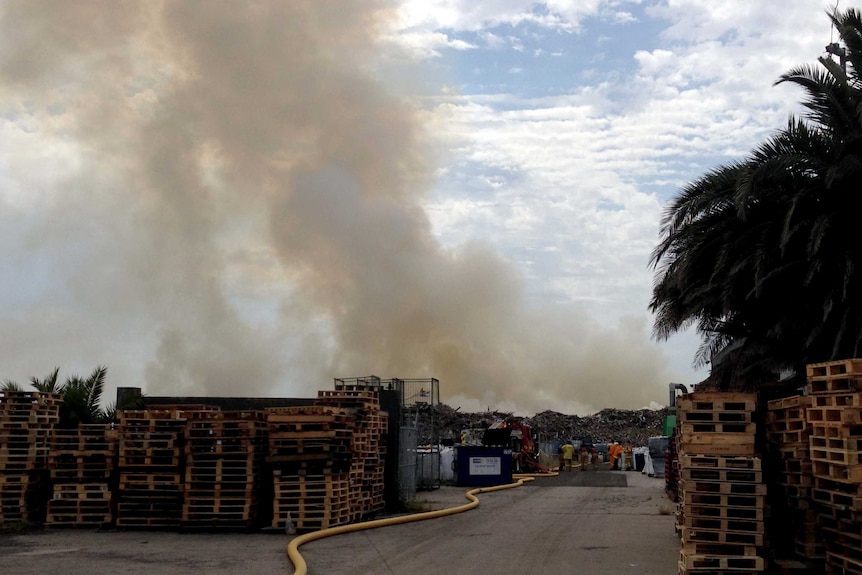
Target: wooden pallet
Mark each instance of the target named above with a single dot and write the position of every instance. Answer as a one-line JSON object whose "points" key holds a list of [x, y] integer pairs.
{"points": [[842, 563], [693, 562], [786, 439], [146, 522], [705, 446], [833, 385], [834, 416], [853, 399], [217, 505], [832, 368], [804, 479], [799, 492], [722, 487], [723, 475], [698, 522], [722, 512], [714, 416], [717, 428], [81, 491], [706, 548], [75, 520], [84, 512], [722, 500], [821, 429], [796, 401], [718, 536], [717, 401], [788, 424], [809, 549], [85, 438], [794, 450], [840, 455], [140, 480], [837, 472], [719, 462], [839, 500], [81, 466]]}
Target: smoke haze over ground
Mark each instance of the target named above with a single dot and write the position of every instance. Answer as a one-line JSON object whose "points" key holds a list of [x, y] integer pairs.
{"points": [[221, 198]]}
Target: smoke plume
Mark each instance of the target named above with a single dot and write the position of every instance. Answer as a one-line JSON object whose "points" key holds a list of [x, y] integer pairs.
{"points": [[221, 198]]}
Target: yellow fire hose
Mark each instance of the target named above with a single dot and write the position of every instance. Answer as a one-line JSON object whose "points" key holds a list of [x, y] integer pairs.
{"points": [[534, 475], [300, 567]]}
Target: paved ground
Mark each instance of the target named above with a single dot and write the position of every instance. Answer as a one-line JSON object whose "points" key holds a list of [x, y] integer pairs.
{"points": [[588, 523]]}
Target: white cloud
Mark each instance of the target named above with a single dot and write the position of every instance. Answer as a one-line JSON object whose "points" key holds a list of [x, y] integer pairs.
{"points": [[429, 44], [590, 164]]}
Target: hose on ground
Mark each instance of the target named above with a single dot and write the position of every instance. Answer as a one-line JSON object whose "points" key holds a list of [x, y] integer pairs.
{"points": [[534, 475], [300, 567]]}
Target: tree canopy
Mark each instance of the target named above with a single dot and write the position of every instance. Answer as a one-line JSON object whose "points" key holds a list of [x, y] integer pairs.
{"points": [[761, 255]]}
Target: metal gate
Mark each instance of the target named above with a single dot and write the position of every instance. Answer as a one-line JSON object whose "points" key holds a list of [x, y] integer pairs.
{"points": [[407, 464]]}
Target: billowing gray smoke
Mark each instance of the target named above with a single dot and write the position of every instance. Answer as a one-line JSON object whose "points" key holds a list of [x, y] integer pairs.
{"points": [[219, 197]]}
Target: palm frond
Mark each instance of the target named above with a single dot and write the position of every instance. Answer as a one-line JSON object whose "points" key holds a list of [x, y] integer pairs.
{"points": [[9, 385]]}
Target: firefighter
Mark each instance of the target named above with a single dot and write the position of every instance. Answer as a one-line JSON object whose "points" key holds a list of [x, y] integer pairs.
{"points": [[568, 453], [614, 452], [584, 459]]}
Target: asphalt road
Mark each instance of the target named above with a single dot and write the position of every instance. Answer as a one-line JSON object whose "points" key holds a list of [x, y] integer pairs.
{"points": [[576, 523], [582, 522]]}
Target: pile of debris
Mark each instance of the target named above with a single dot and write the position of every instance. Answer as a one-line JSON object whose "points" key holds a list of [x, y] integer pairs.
{"points": [[607, 425], [624, 426]]}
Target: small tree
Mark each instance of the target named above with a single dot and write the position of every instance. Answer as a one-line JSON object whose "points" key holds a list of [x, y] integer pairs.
{"points": [[9, 385], [82, 399], [49, 384]]}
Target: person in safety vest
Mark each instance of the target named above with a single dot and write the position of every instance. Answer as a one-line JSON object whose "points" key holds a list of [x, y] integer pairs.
{"points": [[568, 453], [614, 452], [584, 459]]}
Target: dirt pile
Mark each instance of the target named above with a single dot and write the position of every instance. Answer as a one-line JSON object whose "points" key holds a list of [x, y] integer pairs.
{"points": [[607, 425]]}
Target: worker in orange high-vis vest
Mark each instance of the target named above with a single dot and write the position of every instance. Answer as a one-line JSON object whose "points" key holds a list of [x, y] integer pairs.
{"points": [[614, 452]]}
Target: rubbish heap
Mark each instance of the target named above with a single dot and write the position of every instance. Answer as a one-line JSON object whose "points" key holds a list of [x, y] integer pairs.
{"points": [[635, 426]]}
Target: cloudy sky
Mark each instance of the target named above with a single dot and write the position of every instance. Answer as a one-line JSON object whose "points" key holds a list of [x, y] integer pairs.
{"points": [[254, 198]]}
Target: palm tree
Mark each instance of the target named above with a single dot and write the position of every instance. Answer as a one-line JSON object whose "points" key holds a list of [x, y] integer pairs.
{"points": [[50, 384], [82, 399], [756, 253], [9, 385]]}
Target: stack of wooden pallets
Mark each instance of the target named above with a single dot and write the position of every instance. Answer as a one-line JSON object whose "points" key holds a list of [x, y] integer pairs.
{"points": [[224, 453], [82, 463], [672, 472], [26, 419], [835, 421], [369, 446], [788, 431], [721, 486], [150, 490], [310, 455]]}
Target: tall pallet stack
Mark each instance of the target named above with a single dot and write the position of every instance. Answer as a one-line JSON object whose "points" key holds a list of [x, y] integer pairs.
{"points": [[224, 452], [721, 485], [835, 420], [369, 446], [26, 419], [150, 490], [82, 463], [672, 472], [789, 433], [309, 455]]}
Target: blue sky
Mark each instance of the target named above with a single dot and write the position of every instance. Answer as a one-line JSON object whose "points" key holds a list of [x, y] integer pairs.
{"points": [[252, 201]]}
